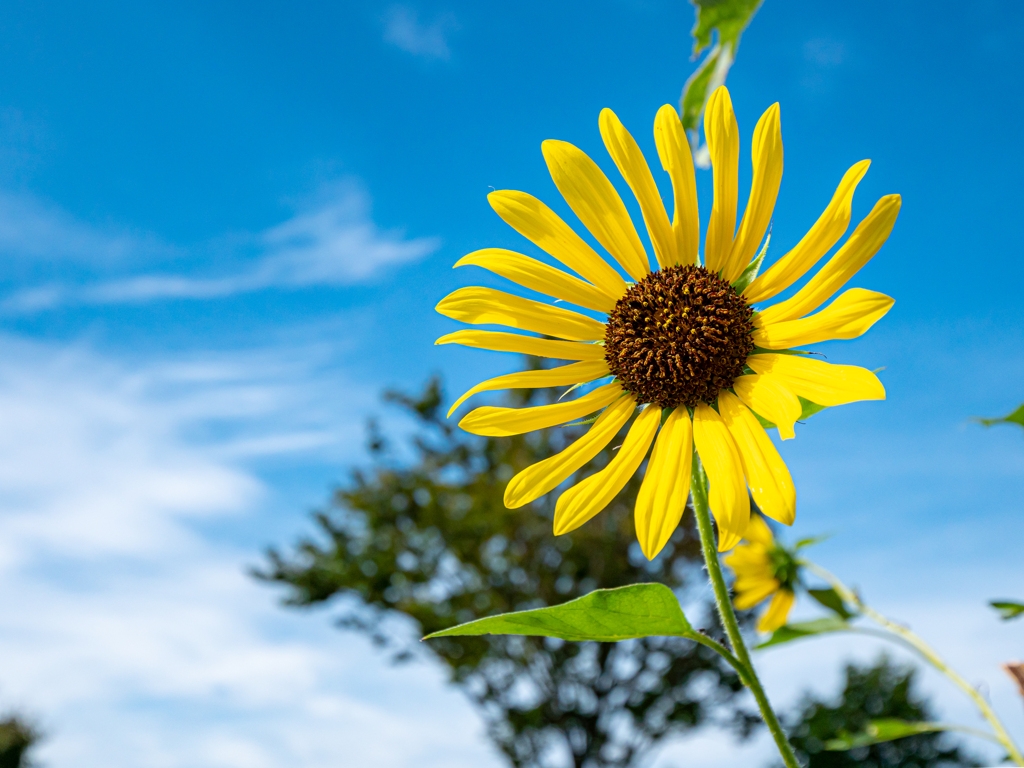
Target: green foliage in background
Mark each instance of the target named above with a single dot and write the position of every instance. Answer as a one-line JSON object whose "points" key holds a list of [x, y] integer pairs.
{"points": [[823, 732], [729, 18], [16, 739], [1017, 417], [431, 540]]}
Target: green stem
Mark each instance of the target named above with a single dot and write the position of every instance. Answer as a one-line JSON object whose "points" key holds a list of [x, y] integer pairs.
{"points": [[699, 490], [929, 655]]}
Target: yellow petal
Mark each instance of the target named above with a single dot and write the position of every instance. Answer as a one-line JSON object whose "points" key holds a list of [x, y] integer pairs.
{"points": [[766, 153], [767, 475], [486, 305], [849, 316], [759, 532], [538, 276], [769, 398], [754, 594], [594, 200], [634, 169], [723, 137], [577, 373], [535, 221], [825, 233], [537, 479], [864, 243], [777, 612], [820, 382], [727, 493], [676, 159], [499, 341], [501, 422], [662, 498], [750, 561], [590, 496]]}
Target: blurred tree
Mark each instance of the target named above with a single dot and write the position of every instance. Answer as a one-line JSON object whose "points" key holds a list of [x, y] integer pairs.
{"points": [[877, 691], [431, 540], [16, 738]]}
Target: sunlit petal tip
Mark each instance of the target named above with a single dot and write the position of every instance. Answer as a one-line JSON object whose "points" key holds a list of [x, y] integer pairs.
{"points": [[728, 539], [778, 611]]}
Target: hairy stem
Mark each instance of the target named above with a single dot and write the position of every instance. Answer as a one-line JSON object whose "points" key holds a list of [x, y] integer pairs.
{"points": [[928, 653], [699, 491]]}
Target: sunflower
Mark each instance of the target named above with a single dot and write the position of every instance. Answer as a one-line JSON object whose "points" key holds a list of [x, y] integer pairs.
{"points": [[763, 569], [684, 347]]}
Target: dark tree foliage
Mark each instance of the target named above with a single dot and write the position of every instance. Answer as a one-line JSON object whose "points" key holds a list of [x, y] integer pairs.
{"points": [[16, 737], [876, 691], [431, 540]]}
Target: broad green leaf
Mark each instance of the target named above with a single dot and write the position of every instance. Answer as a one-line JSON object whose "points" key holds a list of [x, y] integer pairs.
{"points": [[606, 615], [883, 729], [729, 17], [804, 629], [1007, 609], [831, 600], [1017, 417]]}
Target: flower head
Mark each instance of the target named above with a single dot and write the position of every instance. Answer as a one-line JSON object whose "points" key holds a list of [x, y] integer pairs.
{"points": [[686, 347], [764, 569]]}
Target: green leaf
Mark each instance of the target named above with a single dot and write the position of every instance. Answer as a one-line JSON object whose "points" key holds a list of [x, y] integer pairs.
{"points": [[729, 17], [1017, 417], [1007, 609], [606, 615], [695, 92], [804, 629], [883, 729], [831, 600]]}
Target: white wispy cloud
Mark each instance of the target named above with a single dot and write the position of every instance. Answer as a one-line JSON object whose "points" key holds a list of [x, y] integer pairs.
{"points": [[31, 229], [332, 242], [130, 628], [403, 29]]}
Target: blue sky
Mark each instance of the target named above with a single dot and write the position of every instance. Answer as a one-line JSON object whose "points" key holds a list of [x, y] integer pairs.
{"points": [[224, 228]]}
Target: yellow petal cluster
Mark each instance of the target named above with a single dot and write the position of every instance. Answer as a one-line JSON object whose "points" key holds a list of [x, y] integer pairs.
{"points": [[755, 576], [740, 459]]}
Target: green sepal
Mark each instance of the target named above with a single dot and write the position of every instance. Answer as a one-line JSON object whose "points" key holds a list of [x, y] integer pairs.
{"points": [[805, 629], [1008, 609], [747, 277], [831, 600], [882, 730], [605, 615], [808, 408]]}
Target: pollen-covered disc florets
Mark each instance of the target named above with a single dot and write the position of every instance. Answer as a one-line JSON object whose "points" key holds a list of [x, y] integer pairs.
{"points": [[679, 336]]}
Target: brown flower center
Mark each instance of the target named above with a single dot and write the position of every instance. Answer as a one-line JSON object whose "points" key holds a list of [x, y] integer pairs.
{"points": [[679, 336]]}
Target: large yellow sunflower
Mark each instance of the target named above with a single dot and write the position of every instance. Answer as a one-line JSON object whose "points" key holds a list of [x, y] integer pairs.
{"points": [[686, 351]]}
